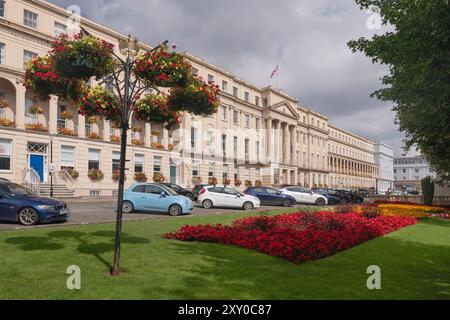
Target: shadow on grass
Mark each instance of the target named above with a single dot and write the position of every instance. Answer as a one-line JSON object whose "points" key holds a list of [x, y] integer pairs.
{"points": [[409, 271], [87, 242]]}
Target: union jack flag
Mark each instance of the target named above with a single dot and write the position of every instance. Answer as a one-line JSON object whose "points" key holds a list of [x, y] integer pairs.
{"points": [[275, 71]]}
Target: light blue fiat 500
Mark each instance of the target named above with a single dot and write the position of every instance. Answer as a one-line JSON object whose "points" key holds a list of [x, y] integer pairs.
{"points": [[155, 198]]}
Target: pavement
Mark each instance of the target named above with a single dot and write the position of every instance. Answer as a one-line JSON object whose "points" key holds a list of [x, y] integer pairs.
{"points": [[104, 211]]}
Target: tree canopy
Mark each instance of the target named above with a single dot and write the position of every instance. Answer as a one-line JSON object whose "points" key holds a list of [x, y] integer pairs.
{"points": [[417, 53]]}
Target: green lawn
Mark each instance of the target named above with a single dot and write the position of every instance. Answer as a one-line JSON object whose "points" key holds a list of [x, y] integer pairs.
{"points": [[414, 262]]}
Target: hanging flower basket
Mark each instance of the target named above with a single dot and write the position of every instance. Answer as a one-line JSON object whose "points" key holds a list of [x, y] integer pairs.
{"points": [[96, 175], [197, 180], [156, 133], [258, 184], [212, 181], [6, 123], [154, 108], [4, 103], [226, 182], [162, 68], [170, 147], [82, 57], [100, 102], [158, 178], [92, 120], [248, 183], [39, 127], [136, 129], [42, 80], [140, 177], [67, 132], [197, 97], [74, 174], [237, 183], [66, 115], [36, 109]]}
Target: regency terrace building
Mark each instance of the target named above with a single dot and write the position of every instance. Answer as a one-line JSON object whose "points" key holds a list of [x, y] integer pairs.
{"points": [[258, 134]]}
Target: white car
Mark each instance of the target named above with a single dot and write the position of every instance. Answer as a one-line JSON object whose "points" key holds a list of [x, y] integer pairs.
{"points": [[225, 197], [304, 195]]}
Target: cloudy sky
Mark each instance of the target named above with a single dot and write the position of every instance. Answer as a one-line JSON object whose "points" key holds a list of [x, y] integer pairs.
{"points": [[251, 37]]}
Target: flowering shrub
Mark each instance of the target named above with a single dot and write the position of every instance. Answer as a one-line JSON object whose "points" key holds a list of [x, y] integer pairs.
{"points": [[82, 57], [7, 123], [408, 210], [162, 68], [297, 237], [197, 97], [140, 177], [96, 175], [443, 216], [158, 178], [36, 127], [100, 102], [154, 108], [4, 103], [41, 79], [67, 132]]}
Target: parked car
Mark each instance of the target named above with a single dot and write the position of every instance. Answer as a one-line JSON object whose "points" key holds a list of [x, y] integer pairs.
{"points": [[304, 195], [225, 197], [196, 190], [350, 197], [180, 190], [331, 195], [19, 204], [155, 198], [271, 196]]}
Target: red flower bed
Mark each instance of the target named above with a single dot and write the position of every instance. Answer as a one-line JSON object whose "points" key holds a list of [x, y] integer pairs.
{"points": [[297, 237]]}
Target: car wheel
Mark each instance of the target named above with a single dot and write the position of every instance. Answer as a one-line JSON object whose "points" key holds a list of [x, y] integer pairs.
{"points": [[127, 207], [207, 204], [190, 196], [248, 206], [287, 203], [28, 216], [320, 202], [175, 210]]}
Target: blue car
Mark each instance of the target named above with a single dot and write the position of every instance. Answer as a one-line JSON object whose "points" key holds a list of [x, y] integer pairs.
{"points": [[155, 198], [18, 204], [271, 196]]}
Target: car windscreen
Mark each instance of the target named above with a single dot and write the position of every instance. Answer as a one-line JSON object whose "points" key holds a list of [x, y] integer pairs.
{"points": [[15, 190], [169, 191]]}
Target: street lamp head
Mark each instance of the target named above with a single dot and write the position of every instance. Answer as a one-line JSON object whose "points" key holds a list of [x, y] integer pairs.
{"points": [[129, 46]]}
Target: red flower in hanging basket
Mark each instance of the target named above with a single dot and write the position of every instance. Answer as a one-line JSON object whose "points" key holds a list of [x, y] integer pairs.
{"points": [[154, 108], [162, 68], [102, 103]]}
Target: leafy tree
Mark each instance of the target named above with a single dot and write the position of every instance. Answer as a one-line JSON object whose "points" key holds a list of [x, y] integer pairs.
{"points": [[417, 53]]}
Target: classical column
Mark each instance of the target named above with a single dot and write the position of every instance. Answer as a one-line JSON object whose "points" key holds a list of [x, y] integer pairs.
{"points": [[53, 115], [148, 134], [166, 139], [276, 141], [81, 126], [269, 146], [20, 106], [106, 130], [287, 144], [294, 159]]}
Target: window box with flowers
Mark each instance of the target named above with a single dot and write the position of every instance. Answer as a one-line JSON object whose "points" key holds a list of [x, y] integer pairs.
{"points": [[140, 177], [248, 183], [258, 184], [6, 123], [96, 175], [157, 146], [116, 175], [137, 142], [73, 173], [158, 178], [94, 136], [67, 132], [39, 127], [115, 139]]}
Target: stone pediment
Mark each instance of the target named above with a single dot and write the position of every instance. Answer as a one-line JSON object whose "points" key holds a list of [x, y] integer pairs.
{"points": [[285, 108]]}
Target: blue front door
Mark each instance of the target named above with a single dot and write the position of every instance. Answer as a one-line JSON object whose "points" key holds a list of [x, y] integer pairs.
{"points": [[37, 163]]}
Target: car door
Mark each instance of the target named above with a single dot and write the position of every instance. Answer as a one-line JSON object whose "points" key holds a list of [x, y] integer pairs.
{"points": [[8, 208], [232, 198], [137, 196], [157, 199], [261, 194], [307, 196], [295, 192], [273, 196], [217, 196]]}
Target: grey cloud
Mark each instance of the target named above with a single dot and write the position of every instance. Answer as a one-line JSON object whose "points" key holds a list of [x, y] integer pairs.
{"points": [[249, 38]]}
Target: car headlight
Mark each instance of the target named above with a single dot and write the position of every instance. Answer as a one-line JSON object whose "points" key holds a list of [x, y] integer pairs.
{"points": [[46, 208]]}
